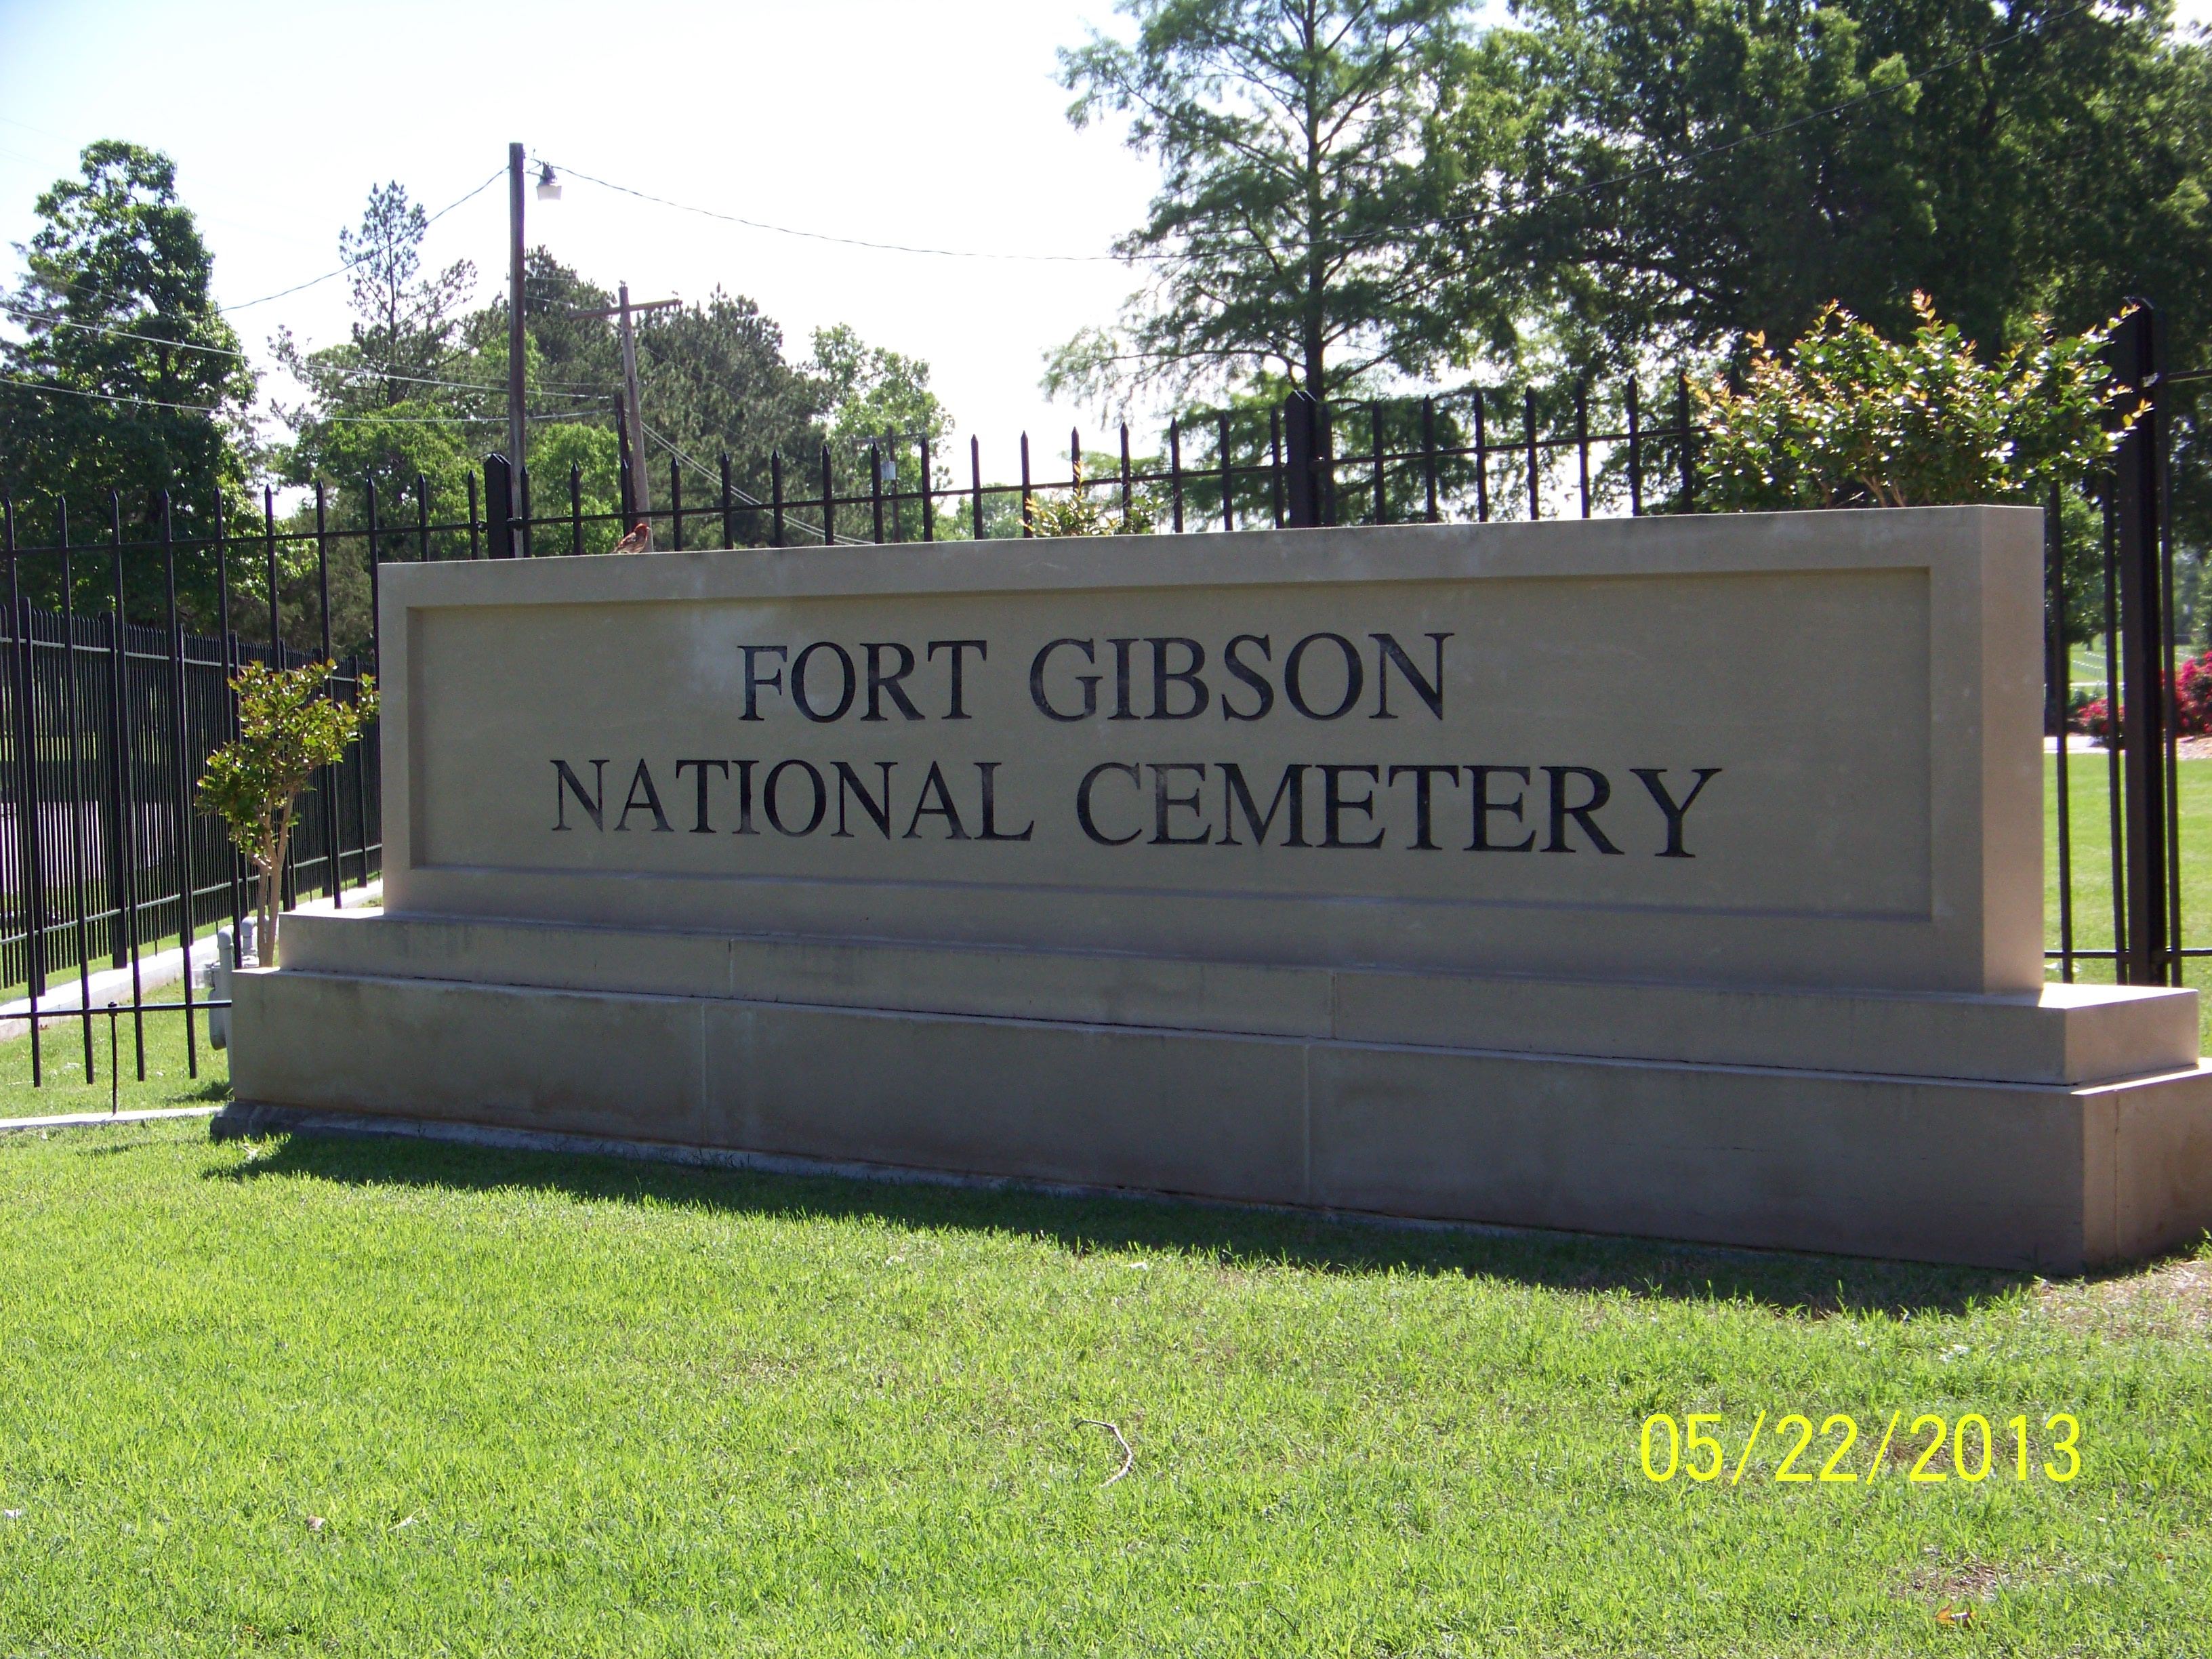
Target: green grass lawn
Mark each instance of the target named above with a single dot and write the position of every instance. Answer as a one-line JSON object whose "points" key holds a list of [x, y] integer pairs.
{"points": [[168, 1079], [380, 1398], [376, 1398], [2086, 665]]}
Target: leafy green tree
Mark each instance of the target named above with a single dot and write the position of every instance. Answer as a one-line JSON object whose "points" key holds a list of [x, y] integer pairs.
{"points": [[405, 319], [713, 378], [404, 396], [290, 728], [1705, 170], [591, 451], [125, 378], [882, 398], [1287, 242]]}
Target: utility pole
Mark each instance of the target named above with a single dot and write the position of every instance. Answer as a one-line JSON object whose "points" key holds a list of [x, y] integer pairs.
{"points": [[632, 418], [644, 473], [516, 348]]}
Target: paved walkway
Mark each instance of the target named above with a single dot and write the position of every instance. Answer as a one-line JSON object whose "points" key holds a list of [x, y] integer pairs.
{"points": [[90, 1119], [164, 968]]}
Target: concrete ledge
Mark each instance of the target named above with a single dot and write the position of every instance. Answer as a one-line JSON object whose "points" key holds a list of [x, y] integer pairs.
{"points": [[2043, 1176], [94, 1120], [2066, 1033]]}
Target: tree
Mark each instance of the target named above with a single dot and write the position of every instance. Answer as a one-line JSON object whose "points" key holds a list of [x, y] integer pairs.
{"points": [[1287, 243], [1706, 170], [404, 361], [136, 384], [713, 379], [289, 729], [880, 398]]}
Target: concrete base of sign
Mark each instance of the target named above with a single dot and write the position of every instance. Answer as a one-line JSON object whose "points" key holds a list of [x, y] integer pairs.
{"points": [[2048, 1132]]}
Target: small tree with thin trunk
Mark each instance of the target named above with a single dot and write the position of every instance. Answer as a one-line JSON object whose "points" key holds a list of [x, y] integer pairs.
{"points": [[289, 729]]}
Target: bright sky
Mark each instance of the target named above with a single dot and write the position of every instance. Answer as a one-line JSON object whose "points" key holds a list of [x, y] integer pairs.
{"points": [[933, 124], [938, 125]]}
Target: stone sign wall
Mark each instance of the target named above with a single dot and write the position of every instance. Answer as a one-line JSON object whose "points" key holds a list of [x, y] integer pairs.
{"points": [[1678, 876]]}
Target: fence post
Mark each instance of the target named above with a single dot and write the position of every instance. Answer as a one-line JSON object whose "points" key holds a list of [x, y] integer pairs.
{"points": [[1689, 455], [1429, 452], [114, 852], [975, 473], [1174, 473], [928, 499], [1635, 453], [1302, 463], [625, 485], [181, 817], [1228, 479], [80, 854], [2058, 676], [1535, 464], [2146, 719], [233, 860], [1481, 463], [326, 787], [26, 795], [498, 507]]}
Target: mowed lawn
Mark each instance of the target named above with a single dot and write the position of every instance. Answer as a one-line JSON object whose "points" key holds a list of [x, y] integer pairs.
{"points": [[381, 1398], [65, 1088]]}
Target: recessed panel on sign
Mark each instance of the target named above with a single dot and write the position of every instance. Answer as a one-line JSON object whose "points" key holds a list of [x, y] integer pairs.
{"points": [[1449, 758]]}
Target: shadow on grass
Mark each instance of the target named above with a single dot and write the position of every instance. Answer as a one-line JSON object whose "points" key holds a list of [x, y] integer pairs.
{"points": [[1808, 1285]]}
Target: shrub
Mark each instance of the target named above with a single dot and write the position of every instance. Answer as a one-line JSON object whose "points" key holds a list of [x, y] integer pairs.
{"points": [[1846, 418], [1080, 514], [2192, 705]]}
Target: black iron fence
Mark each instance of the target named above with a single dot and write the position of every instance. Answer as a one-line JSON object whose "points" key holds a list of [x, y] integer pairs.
{"points": [[2138, 626], [1475, 455], [106, 724]]}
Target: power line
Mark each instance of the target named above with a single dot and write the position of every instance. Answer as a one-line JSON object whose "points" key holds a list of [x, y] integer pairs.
{"points": [[216, 408], [314, 281], [111, 398], [1690, 160], [362, 371], [744, 496], [22, 314], [842, 241]]}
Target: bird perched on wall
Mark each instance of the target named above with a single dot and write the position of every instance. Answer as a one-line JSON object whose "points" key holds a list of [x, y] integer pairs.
{"points": [[640, 539]]}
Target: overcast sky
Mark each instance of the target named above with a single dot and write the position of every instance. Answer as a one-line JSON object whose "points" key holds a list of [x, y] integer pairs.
{"points": [[939, 126]]}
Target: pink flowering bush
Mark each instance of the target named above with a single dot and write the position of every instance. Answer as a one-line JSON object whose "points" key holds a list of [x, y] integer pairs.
{"points": [[2192, 706]]}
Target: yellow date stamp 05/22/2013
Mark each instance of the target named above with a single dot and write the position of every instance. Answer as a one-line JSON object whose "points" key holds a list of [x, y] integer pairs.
{"points": [[1930, 1450]]}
